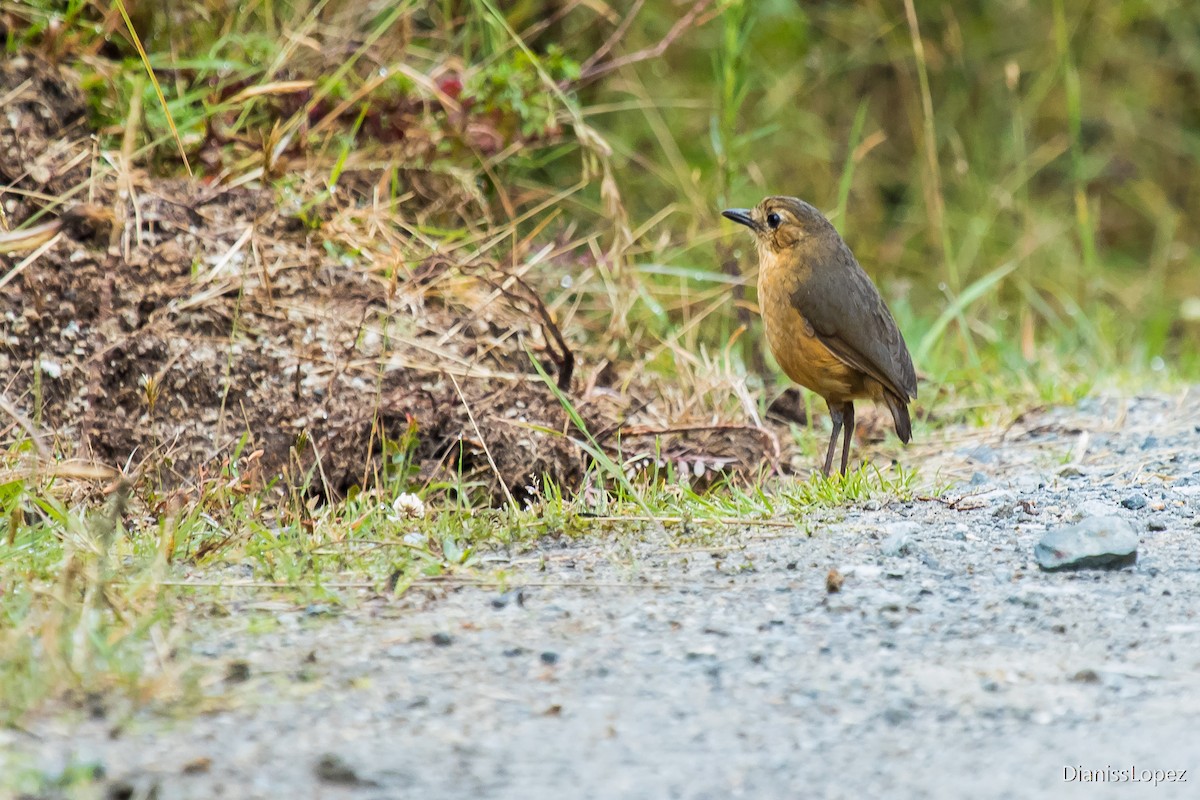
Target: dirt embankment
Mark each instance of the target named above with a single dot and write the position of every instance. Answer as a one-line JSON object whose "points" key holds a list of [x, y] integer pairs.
{"points": [[186, 330]]}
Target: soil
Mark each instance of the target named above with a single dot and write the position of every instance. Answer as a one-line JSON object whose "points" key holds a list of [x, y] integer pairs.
{"points": [[707, 662]]}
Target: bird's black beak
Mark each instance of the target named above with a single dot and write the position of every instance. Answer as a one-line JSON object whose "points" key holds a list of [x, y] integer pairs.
{"points": [[742, 216]]}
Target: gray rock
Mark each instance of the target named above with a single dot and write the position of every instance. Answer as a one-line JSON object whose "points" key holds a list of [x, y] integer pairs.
{"points": [[1135, 501], [1095, 543]]}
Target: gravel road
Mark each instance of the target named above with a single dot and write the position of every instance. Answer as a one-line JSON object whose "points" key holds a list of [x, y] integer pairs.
{"points": [[948, 665]]}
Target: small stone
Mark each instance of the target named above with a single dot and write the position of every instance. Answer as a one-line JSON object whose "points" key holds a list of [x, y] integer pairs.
{"points": [[1070, 471], [1157, 525], [120, 790], [197, 765], [549, 658], [442, 639], [1134, 502], [237, 671], [834, 581], [513, 596], [332, 768], [1086, 676], [51, 368], [1095, 543]]}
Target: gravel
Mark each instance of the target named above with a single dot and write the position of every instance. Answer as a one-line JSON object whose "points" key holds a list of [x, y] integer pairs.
{"points": [[889, 649]]}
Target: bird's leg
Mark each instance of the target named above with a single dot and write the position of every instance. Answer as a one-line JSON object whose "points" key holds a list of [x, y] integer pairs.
{"points": [[835, 413], [848, 413]]}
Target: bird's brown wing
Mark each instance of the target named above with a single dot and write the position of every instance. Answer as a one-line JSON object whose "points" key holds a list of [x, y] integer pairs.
{"points": [[850, 318]]}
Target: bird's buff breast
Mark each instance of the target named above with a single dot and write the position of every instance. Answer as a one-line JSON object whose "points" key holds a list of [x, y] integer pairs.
{"points": [[798, 351]]}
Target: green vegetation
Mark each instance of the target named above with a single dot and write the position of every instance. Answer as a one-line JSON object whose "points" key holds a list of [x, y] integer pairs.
{"points": [[1016, 176]]}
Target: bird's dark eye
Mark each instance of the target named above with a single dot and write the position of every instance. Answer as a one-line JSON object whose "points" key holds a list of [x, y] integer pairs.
{"points": [[773, 220]]}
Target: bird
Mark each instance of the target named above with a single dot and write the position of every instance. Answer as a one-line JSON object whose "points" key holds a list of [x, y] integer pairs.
{"points": [[827, 325]]}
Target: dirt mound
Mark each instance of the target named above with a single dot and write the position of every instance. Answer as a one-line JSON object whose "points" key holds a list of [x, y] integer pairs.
{"points": [[188, 332], [222, 330]]}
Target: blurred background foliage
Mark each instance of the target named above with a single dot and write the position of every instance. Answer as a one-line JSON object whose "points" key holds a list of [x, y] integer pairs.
{"points": [[1018, 176], [1064, 138]]}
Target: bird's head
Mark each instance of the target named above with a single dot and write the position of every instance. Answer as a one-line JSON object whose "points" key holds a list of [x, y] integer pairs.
{"points": [[782, 223]]}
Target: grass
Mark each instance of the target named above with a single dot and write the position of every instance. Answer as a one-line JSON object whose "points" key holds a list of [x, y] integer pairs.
{"points": [[1031, 248], [96, 606]]}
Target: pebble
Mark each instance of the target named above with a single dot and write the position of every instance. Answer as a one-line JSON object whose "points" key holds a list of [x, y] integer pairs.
{"points": [[237, 671], [332, 768], [1095, 543], [1157, 525], [1135, 501], [512, 596], [442, 639]]}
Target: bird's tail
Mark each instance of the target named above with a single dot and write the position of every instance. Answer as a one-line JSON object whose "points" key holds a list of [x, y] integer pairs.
{"points": [[899, 409]]}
